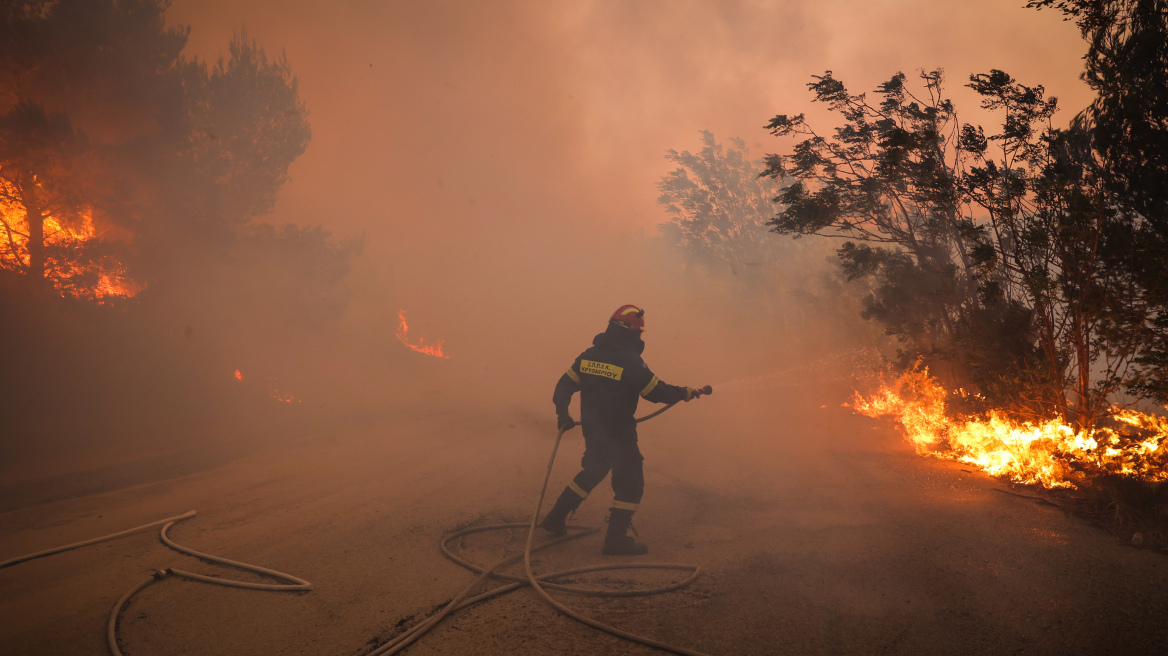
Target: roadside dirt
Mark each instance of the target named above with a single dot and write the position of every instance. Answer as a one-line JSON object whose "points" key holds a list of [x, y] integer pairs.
{"points": [[819, 532]]}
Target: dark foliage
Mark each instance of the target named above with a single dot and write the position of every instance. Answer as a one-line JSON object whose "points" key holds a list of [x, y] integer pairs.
{"points": [[165, 165], [987, 249], [1127, 67], [166, 156]]}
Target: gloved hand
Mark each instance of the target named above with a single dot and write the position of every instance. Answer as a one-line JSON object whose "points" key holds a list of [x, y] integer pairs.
{"points": [[565, 423], [691, 393]]}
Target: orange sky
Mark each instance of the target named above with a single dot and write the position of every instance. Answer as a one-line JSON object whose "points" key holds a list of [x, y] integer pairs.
{"points": [[494, 152], [445, 104]]}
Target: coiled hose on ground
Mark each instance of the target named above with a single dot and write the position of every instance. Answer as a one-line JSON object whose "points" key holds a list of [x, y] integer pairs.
{"points": [[543, 582], [540, 583], [294, 584]]}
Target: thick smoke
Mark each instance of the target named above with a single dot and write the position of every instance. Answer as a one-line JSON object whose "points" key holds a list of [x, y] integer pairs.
{"points": [[501, 159], [498, 163], [492, 169]]}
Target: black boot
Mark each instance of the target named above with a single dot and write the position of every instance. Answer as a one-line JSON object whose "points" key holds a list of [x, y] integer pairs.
{"points": [[616, 543], [555, 522]]}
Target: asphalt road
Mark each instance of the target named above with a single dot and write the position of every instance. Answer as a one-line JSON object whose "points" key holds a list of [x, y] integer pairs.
{"points": [[818, 531]]}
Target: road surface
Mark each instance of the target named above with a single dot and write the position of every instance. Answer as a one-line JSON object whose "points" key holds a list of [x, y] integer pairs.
{"points": [[819, 532]]}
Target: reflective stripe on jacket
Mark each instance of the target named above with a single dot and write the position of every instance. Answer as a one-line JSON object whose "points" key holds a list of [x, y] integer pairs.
{"points": [[611, 378]]}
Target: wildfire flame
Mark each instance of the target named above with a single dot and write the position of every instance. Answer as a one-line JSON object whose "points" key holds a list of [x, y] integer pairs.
{"points": [[238, 375], [420, 346], [101, 279], [1052, 453]]}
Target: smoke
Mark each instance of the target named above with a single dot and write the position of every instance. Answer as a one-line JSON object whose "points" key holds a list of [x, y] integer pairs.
{"points": [[501, 158], [498, 162], [491, 169]]}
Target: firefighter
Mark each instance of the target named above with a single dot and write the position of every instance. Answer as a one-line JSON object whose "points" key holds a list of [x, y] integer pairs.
{"points": [[610, 377]]}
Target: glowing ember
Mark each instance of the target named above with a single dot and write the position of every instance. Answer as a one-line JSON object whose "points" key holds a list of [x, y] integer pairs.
{"points": [[272, 391], [420, 346], [283, 398], [1052, 454]]}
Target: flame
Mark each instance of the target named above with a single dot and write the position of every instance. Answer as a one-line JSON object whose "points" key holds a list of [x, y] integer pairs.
{"points": [[102, 279], [1051, 453], [238, 375], [421, 347]]}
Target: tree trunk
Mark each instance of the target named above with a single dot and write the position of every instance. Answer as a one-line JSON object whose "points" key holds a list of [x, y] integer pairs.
{"points": [[36, 227], [1083, 364], [1050, 352]]}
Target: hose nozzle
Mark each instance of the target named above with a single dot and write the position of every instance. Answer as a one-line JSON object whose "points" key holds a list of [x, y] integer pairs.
{"points": [[707, 390]]}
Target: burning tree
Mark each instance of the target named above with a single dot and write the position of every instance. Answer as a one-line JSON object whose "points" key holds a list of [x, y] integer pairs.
{"points": [[129, 169], [117, 153], [43, 214], [70, 88]]}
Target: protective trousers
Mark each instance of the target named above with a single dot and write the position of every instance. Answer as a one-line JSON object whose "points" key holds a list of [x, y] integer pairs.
{"points": [[623, 459]]}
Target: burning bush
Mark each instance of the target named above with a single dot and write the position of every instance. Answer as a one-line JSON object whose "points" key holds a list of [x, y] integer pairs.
{"points": [[1051, 453], [1119, 466]]}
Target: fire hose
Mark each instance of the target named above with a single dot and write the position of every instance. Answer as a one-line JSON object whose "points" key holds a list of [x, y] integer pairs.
{"points": [[294, 584], [539, 584]]}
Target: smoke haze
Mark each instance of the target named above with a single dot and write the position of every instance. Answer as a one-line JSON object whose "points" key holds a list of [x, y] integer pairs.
{"points": [[501, 158], [498, 163], [491, 169]]}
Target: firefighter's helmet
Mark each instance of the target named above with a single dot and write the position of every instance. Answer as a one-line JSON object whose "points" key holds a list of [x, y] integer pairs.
{"points": [[629, 317]]}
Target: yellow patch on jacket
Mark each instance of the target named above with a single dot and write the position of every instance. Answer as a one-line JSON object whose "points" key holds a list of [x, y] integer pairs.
{"points": [[601, 369]]}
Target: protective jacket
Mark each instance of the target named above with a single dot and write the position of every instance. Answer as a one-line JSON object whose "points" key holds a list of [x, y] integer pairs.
{"points": [[611, 378]]}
